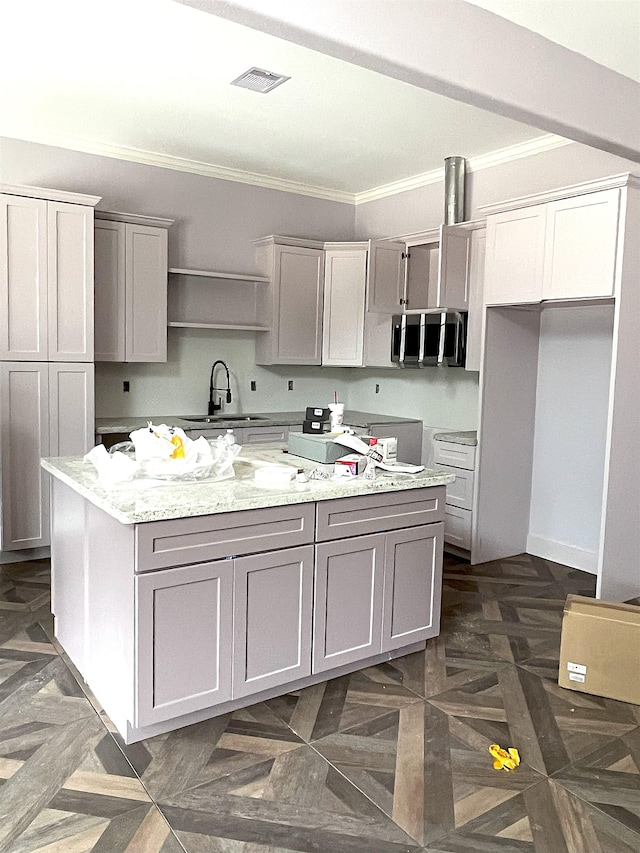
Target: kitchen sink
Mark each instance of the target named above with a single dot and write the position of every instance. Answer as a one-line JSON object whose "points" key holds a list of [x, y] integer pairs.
{"points": [[213, 419]]}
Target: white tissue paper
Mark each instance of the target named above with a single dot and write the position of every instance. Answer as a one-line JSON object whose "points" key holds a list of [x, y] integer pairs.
{"points": [[165, 453], [357, 444]]}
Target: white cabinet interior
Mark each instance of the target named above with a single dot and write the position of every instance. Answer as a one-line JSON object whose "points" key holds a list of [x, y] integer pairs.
{"points": [[131, 287], [202, 299]]}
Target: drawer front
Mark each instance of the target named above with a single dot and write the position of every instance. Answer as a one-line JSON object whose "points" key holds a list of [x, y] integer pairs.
{"points": [[456, 455], [258, 435], [357, 516], [460, 492], [162, 544], [457, 527]]}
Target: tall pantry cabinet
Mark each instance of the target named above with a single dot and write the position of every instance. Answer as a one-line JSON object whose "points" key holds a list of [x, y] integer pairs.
{"points": [[46, 349]]}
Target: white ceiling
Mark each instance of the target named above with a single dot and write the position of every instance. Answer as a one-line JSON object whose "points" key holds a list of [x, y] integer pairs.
{"points": [[148, 80]]}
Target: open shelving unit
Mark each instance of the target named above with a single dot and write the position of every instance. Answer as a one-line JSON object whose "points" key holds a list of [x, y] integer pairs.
{"points": [[208, 299]]}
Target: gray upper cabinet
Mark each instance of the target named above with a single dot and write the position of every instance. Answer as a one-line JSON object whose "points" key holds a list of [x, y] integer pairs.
{"points": [[46, 275], [291, 303], [565, 248], [131, 288], [353, 336]]}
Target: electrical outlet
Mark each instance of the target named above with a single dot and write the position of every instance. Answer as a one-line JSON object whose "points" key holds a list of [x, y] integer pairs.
{"points": [[253, 385], [377, 388], [125, 386], [290, 385]]}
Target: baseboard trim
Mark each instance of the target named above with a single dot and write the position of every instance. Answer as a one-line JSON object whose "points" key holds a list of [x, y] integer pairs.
{"points": [[559, 552]]}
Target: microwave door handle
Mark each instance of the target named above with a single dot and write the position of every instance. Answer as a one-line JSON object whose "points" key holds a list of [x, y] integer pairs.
{"points": [[423, 340], [441, 339], [403, 340]]}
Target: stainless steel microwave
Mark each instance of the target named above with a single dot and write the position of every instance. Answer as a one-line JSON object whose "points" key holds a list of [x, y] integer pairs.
{"points": [[421, 340]]}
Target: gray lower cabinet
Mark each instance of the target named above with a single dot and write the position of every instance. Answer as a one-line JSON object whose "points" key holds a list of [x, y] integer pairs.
{"points": [[348, 601], [184, 630], [221, 630], [376, 593], [273, 604]]}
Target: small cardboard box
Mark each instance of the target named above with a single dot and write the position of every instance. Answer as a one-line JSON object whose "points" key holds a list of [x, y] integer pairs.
{"points": [[316, 414], [600, 648], [316, 427], [354, 463]]}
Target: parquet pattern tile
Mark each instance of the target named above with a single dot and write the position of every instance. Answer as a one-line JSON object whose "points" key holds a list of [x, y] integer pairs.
{"points": [[388, 759]]}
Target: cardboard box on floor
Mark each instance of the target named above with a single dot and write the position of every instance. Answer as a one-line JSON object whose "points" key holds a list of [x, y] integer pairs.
{"points": [[600, 648]]}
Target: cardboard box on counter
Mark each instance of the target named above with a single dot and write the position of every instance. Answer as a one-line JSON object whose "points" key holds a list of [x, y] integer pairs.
{"points": [[600, 648], [354, 463]]}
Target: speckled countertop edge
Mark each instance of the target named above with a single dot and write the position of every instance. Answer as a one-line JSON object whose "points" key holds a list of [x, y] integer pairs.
{"points": [[139, 502], [128, 423], [461, 437]]}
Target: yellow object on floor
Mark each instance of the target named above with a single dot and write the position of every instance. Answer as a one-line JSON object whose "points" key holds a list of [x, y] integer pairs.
{"points": [[504, 759]]}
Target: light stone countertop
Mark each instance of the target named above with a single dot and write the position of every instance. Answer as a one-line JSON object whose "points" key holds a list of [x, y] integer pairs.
{"points": [[460, 437], [127, 423], [141, 501]]}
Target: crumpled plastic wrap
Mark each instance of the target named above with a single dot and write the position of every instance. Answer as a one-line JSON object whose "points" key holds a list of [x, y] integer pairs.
{"points": [[165, 453]]}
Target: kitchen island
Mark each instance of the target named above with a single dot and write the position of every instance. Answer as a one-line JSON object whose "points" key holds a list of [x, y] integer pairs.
{"points": [[179, 602]]}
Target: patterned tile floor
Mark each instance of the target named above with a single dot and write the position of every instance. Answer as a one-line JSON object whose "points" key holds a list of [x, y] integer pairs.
{"points": [[389, 759]]}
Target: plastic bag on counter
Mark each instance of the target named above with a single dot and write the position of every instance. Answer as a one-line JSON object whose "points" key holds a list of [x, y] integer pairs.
{"points": [[165, 453]]}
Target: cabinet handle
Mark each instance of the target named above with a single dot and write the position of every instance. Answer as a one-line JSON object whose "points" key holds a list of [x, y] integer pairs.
{"points": [[404, 302]]}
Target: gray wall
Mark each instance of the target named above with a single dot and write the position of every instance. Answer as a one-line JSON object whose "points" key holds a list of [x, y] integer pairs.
{"points": [[215, 223]]}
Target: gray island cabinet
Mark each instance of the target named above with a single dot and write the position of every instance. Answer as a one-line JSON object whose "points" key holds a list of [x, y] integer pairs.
{"points": [[230, 593]]}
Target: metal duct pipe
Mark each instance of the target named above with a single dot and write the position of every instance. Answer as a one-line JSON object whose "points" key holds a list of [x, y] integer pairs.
{"points": [[454, 176]]}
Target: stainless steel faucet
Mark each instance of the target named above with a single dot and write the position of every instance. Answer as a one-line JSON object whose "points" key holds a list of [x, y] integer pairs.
{"points": [[213, 406]]}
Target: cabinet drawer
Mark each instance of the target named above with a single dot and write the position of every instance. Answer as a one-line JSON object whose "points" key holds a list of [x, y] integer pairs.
{"points": [[338, 519], [456, 455], [457, 527], [460, 492], [257, 435], [161, 544]]}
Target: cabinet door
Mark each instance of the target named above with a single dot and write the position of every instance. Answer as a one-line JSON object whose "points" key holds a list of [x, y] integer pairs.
{"points": [[183, 640], [581, 245], [475, 325], [24, 438], [385, 286], [109, 290], [71, 409], [23, 278], [146, 293], [273, 602], [70, 282], [345, 278], [298, 290], [348, 601], [515, 256], [412, 585], [453, 277]]}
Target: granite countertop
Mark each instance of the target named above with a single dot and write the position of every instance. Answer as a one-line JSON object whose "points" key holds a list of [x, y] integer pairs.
{"points": [[128, 423], [462, 437], [142, 501]]}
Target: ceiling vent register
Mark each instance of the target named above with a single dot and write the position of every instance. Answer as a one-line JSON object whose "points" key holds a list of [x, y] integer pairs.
{"points": [[259, 80]]}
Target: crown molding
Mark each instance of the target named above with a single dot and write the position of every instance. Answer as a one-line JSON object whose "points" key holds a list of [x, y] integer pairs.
{"points": [[197, 167], [494, 158]]}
